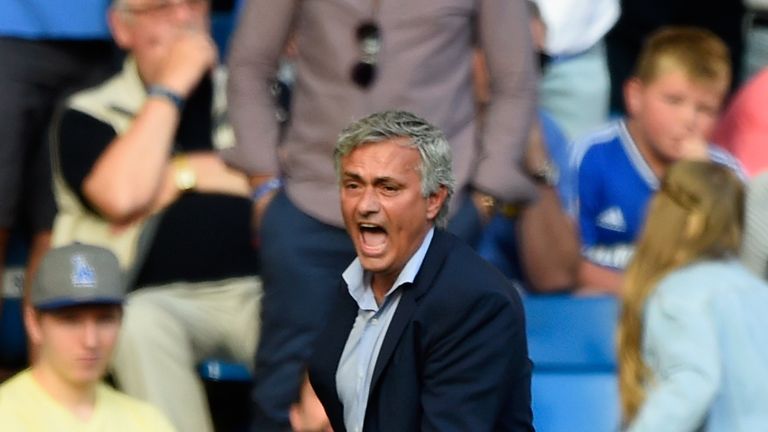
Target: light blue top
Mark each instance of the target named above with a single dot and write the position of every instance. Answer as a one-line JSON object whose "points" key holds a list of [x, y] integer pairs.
{"points": [[358, 360], [54, 19], [706, 343]]}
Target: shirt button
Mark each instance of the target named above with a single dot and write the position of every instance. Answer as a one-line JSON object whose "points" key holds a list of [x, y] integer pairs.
{"points": [[375, 321]]}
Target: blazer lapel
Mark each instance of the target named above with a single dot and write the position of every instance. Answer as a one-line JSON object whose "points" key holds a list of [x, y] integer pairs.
{"points": [[330, 347], [433, 261]]}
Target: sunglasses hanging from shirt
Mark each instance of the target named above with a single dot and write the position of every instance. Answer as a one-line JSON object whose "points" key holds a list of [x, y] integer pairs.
{"points": [[368, 36]]}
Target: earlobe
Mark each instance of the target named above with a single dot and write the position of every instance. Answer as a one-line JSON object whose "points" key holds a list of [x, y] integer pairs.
{"points": [[32, 324], [435, 202], [118, 27], [632, 90]]}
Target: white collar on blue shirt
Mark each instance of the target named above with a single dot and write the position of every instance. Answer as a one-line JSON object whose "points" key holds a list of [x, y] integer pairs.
{"points": [[359, 281]]}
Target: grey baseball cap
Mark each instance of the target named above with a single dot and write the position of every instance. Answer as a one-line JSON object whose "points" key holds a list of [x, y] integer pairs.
{"points": [[77, 274]]}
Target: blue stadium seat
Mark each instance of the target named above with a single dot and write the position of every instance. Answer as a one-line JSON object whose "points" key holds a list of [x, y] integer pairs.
{"points": [[220, 370], [572, 345], [228, 387]]}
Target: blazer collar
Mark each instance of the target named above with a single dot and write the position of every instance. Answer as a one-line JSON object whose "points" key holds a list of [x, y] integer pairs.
{"points": [[433, 261]]}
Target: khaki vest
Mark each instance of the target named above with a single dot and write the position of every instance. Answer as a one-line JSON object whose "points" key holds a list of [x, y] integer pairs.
{"points": [[116, 103]]}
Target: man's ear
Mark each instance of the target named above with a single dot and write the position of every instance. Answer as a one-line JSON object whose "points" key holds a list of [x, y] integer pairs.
{"points": [[32, 324], [119, 26], [633, 92], [435, 202]]}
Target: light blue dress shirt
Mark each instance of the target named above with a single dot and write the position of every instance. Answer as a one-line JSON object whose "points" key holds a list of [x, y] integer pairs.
{"points": [[54, 19], [358, 360], [706, 343]]}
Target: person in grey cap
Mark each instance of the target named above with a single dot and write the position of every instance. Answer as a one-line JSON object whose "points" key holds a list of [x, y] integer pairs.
{"points": [[73, 324]]}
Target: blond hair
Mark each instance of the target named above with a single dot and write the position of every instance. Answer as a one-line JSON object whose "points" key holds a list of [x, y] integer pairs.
{"points": [[697, 52], [698, 213]]}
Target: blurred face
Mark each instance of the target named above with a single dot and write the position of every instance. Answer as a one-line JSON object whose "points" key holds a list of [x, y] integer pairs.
{"points": [[76, 343], [672, 117], [384, 211], [147, 28]]}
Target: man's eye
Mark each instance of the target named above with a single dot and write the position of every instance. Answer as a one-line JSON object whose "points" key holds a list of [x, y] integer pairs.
{"points": [[68, 318], [707, 110]]}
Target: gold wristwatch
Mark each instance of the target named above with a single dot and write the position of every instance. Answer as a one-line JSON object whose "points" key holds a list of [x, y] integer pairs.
{"points": [[183, 174]]}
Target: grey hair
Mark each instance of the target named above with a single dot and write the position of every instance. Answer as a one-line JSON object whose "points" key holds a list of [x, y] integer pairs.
{"points": [[435, 162]]}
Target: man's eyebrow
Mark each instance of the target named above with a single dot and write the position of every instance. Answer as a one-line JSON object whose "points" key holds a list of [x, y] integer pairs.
{"points": [[385, 179], [347, 175], [351, 175]]}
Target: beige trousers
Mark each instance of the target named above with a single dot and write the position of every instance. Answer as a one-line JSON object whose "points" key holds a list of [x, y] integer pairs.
{"points": [[167, 330]]}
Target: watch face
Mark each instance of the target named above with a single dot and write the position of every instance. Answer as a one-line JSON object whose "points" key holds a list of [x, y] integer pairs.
{"points": [[185, 179], [183, 174]]}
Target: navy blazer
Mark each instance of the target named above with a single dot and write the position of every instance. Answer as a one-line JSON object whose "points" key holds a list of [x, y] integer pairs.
{"points": [[455, 355]]}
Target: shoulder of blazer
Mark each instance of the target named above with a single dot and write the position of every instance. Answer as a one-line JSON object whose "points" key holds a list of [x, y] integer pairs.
{"points": [[443, 244]]}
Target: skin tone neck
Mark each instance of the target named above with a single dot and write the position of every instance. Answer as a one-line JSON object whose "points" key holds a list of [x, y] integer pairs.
{"points": [[78, 399]]}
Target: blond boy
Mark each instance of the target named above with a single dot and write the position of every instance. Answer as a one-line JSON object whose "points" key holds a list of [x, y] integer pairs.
{"points": [[673, 100], [73, 324]]}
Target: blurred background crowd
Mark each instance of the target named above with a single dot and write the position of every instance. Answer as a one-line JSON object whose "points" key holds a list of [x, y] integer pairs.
{"points": [[571, 122]]}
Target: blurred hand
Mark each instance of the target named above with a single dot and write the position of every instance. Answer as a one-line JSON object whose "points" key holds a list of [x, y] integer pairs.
{"points": [[308, 414], [695, 148], [191, 55]]}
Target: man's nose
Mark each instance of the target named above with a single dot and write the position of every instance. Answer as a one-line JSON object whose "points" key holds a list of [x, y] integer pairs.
{"points": [[689, 117], [90, 334], [369, 202]]}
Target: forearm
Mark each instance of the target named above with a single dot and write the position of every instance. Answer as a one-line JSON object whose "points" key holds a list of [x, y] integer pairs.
{"points": [[128, 176], [593, 278], [549, 245], [257, 45], [506, 42], [130, 173]]}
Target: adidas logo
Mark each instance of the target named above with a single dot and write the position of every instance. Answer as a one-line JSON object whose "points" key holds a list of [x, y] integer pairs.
{"points": [[612, 219]]}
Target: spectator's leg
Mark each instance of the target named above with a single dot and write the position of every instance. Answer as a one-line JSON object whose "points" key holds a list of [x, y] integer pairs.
{"points": [[238, 308], [498, 246], [156, 356], [302, 262], [465, 223]]}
